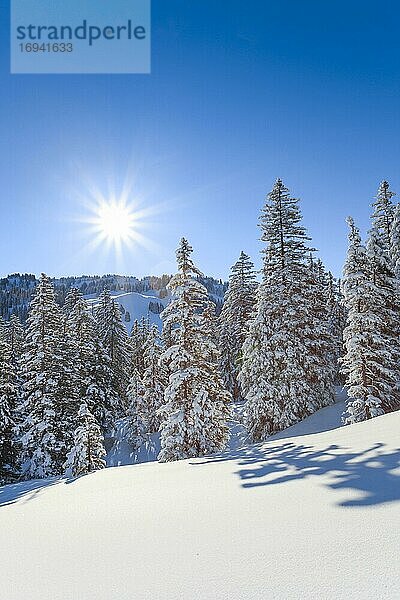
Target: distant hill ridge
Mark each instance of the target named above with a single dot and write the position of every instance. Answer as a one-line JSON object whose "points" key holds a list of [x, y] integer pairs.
{"points": [[16, 289]]}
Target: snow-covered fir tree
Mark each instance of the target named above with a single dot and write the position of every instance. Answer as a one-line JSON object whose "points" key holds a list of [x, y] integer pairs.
{"points": [[154, 381], [383, 213], [370, 362], [195, 402], [234, 320], [49, 389], [282, 357], [87, 453], [94, 366], [114, 337], [8, 401]]}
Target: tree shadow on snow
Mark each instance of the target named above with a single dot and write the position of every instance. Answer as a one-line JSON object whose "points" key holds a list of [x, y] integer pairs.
{"points": [[370, 473], [24, 490]]}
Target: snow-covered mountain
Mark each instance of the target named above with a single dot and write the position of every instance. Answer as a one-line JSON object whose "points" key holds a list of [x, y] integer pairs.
{"points": [[303, 516], [134, 305], [140, 297]]}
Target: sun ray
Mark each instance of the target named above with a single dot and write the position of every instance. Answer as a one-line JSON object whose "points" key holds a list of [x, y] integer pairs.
{"points": [[118, 220]]}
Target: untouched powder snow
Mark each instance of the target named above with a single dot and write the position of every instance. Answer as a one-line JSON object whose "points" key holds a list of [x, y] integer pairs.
{"points": [[315, 516]]}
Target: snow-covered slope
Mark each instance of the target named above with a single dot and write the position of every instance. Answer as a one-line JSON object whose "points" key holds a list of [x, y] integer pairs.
{"points": [[315, 516], [324, 419], [137, 305], [120, 452]]}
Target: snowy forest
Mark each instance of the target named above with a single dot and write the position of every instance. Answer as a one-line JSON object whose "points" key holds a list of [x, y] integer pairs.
{"points": [[284, 341]]}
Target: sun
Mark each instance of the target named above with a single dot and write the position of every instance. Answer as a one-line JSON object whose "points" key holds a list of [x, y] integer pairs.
{"points": [[115, 221]]}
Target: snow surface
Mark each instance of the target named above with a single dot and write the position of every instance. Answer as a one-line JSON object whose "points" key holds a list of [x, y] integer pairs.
{"points": [[313, 516]]}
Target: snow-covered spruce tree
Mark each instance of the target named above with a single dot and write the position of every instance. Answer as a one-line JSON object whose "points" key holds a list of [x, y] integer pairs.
{"points": [[94, 366], [114, 337], [49, 389], [8, 401], [87, 453], [234, 320], [395, 242], [73, 296], [320, 340], [167, 340], [210, 363], [337, 322], [15, 336], [154, 381], [383, 213], [195, 402], [281, 354], [134, 429], [210, 325], [230, 353], [387, 304], [371, 345], [139, 334]]}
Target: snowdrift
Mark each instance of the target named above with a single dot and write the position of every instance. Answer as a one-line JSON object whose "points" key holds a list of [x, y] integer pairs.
{"points": [[304, 517]]}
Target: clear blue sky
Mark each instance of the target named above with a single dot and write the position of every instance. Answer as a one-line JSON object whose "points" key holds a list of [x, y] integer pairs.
{"points": [[240, 93]]}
